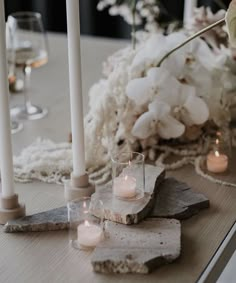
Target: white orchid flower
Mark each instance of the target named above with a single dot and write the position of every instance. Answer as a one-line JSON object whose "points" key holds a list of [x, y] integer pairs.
{"points": [[182, 98], [186, 105], [142, 90], [230, 19], [157, 121], [154, 49]]}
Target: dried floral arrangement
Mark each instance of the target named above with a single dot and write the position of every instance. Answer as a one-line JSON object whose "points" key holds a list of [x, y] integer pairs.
{"points": [[154, 103], [164, 97]]}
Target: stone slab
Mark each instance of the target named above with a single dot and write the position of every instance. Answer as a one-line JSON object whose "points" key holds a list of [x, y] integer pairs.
{"points": [[52, 220], [174, 199], [177, 200], [131, 212], [138, 248]]}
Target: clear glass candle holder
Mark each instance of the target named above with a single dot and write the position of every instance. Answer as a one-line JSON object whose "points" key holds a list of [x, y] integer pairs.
{"points": [[86, 231], [220, 151], [128, 175]]}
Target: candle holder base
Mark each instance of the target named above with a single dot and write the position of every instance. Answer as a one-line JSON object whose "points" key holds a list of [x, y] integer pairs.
{"points": [[78, 187], [10, 208]]}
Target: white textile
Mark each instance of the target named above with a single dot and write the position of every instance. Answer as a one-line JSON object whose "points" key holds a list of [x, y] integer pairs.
{"points": [[43, 160]]}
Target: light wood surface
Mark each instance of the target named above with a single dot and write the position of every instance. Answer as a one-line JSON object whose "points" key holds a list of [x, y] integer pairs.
{"points": [[46, 257]]}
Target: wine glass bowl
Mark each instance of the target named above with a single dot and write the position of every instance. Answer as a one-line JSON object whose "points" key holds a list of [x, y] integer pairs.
{"points": [[30, 52]]}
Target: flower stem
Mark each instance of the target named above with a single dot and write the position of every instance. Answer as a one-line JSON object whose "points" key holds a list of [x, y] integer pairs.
{"points": [[133, 24], [190, 39]]}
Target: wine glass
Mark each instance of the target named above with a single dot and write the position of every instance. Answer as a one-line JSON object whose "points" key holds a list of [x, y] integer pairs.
{"points": [[15, 125], [30, 47]]}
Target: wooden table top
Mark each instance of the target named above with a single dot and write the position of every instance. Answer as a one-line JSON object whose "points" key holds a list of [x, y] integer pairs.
{"points": [[47, 257]]}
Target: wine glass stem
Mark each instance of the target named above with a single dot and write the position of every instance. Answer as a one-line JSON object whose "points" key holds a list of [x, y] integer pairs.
{"points": [[27, 76]]}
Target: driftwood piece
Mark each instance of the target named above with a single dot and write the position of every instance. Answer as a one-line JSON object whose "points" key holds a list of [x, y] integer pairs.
{"points": [[177, 200], [130, 212], [138, 248]]}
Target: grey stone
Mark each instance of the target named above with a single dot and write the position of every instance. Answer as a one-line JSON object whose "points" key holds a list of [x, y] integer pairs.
{"points": [[177, 200], [55, 219], [130, 212], [173, 199], [138, 248]]}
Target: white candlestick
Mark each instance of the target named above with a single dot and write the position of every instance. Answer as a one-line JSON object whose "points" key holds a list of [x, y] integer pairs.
{"points": [[76, 101], [124, 186], [217, 163], [189, 6], [6, 162], [89, 235]]}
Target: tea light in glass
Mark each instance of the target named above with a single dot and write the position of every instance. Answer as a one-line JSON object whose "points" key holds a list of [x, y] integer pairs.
{"points": [[86, 231], [216, 162], [128, 175], [89, 234]]}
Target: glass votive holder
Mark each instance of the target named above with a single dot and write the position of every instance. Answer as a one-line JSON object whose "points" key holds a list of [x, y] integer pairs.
{"points": [[218, 158], [86, 230], [128, 175]]}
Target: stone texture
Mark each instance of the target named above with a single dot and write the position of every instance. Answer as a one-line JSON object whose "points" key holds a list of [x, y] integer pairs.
{"points": [[138, 248], [173, 200], [176, 200], [130, 212], [55, 219]]}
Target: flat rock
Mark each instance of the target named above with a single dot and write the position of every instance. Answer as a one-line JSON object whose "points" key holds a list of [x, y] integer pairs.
{"points": [[177, 200], [173, 199], [55, 219], [138, 248], [131, 212]]}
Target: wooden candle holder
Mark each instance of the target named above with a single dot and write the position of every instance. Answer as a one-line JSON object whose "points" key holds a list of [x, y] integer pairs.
{"points": [[10, 208], [78, 187]]}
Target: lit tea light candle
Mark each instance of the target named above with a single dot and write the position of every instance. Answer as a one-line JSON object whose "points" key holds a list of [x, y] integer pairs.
{"points": [[216, 162], [89, 235], [124, 186]]}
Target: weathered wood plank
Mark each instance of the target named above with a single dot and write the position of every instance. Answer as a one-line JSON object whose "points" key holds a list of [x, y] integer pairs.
{"points": [[138, 248]]}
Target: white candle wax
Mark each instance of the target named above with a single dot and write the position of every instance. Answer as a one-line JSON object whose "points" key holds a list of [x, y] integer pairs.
{"points": [[217, 163], [6, 163], [89, 235], [76, 101], [189, 6], [124, 186]]}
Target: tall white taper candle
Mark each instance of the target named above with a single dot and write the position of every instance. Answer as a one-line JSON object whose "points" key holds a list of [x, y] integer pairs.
{"points": [[6, 162], [189, 6], [76, 101]]}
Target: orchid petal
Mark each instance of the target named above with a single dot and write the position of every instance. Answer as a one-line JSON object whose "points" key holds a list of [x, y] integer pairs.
{"points": [[197, 111], [139, 90], [149, 53], [159, 109], [185, 92], [169, 127], [159, 76], [142, 127]]}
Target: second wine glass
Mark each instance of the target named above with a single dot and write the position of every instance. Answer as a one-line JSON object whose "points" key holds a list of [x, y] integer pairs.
{"points": [[30, 47]]}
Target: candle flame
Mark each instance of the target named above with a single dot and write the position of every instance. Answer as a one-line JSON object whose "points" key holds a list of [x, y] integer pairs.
{"points": [[86, 223], [217, 141], [217, 153]]}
